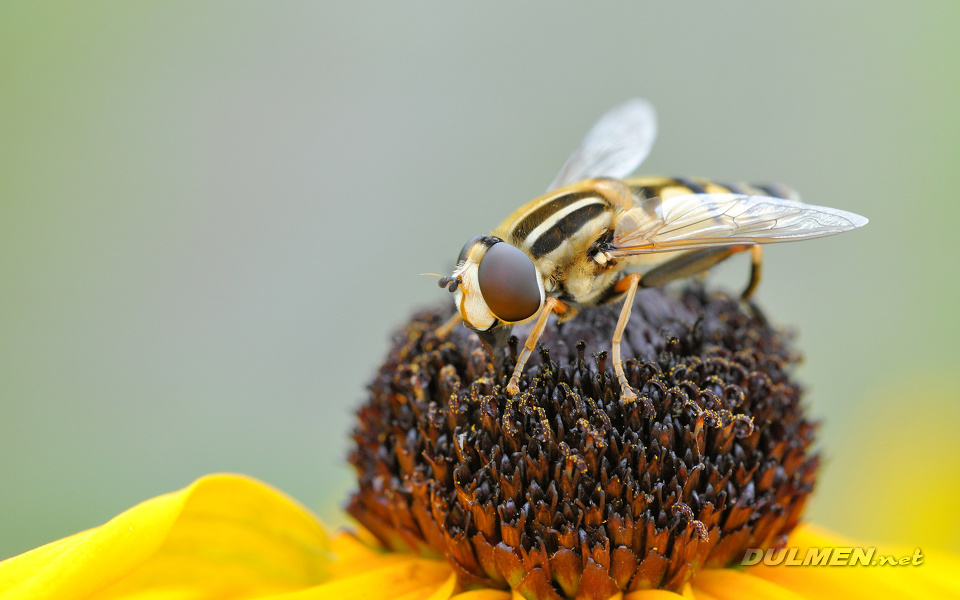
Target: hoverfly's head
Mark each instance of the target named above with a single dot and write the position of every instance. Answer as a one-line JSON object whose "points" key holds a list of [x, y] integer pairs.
{"points": [[494, 283]]}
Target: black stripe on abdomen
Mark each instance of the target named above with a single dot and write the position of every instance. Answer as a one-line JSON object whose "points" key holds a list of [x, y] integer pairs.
{"points": [[565, 228], [695, 188], [736, 188], [777, 190]]}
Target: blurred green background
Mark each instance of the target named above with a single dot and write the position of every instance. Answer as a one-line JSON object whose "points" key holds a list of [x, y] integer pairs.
{"points": [[212, 216]]}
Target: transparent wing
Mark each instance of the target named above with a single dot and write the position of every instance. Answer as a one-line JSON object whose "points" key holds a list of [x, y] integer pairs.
{"points": [[614, 147], [693, 221]]}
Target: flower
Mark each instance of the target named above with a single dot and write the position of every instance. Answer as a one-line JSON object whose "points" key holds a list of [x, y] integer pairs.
{"points": [[560, 492], [228, 536], [565, 490]]}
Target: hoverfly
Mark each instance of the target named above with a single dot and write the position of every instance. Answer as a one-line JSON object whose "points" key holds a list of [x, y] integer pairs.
{"points": [[573, 246]]}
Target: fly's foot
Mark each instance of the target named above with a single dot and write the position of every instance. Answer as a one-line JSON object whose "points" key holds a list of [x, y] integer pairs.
{"points": [[755, 311], [628, 396]]}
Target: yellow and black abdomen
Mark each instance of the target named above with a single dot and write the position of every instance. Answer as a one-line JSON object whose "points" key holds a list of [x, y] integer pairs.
{"points": [[667, 187], [644, 188]]}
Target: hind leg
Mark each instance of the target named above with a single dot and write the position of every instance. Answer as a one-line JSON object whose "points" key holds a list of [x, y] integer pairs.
{"points": [[698, 261], [756, 262]]}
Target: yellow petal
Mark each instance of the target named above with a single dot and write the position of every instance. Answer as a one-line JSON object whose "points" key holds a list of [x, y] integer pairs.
{"points": [[388, 582], [935, 578], [446, 590], [484, 595], [729, 584], [353, 554], [226, 536], [652, 595]]}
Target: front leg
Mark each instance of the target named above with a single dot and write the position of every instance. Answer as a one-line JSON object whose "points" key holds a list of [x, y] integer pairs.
{"points": [[551, 305], [444, 330]]}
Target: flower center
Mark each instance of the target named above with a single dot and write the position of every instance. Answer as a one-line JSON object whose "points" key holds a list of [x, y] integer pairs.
{"points": [[563, 491]]}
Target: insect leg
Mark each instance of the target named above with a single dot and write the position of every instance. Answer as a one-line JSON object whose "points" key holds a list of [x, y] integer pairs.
{"points": [[551, 305], [445, 329], [629, 285], [756, 261], [690, 263]]}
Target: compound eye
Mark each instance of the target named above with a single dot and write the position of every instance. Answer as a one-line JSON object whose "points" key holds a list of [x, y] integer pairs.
{"points": [[509, 283], [466, 248]]}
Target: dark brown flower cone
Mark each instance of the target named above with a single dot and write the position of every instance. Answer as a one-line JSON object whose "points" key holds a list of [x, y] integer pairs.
{"points": [[565, 492]]}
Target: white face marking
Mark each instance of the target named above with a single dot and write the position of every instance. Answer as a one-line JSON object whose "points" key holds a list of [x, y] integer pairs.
{"points": [[469, 300]]}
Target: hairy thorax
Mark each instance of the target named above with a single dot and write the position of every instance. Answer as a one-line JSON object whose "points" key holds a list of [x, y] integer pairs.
{"points": [[580, 280]]}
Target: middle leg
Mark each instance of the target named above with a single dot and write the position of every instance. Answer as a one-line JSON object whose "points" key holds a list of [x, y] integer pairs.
{"points": [[629, 285]]}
